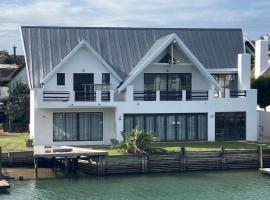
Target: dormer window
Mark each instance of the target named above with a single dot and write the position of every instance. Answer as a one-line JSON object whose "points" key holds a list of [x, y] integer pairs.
{"points": [[61, 79], [106, 79]]}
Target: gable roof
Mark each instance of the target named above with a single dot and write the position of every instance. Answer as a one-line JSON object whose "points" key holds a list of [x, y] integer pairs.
{"points": [[158, 47], [123, 48], [82, 44]]}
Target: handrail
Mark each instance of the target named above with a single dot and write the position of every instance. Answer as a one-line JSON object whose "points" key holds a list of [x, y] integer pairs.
{"points": [[197, 95], [56, 95], [85, 96], [144, 95], [238, 93], [105, 96], [170, 95]]}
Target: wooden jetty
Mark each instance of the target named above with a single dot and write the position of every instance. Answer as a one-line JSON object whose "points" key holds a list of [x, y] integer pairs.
{"points": [[68, 155]]}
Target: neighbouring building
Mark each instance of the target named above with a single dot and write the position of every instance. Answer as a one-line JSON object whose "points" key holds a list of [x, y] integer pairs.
{"points": [[18, 77], [89, 84]]}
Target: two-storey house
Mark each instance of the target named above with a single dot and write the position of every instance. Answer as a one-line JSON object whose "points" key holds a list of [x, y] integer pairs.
{"points": [[90, 84]]}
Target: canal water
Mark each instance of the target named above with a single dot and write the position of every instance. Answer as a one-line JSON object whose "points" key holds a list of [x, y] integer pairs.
{"points": [[221, 185]]}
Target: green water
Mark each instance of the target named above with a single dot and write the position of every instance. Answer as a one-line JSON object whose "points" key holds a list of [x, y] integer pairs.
{"points": [[194, 185]]}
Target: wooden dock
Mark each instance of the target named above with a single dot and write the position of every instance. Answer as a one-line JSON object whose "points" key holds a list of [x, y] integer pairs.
{"points": [[67, 155]]}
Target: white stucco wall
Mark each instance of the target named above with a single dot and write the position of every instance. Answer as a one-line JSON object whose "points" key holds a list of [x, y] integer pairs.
{"points": [[83, 61], [43, 129]]}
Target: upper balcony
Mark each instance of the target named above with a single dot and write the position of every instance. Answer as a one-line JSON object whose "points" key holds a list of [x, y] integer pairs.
{"points": [[63, 99]]}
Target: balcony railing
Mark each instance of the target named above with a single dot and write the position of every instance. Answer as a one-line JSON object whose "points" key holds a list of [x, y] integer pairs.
{"points": [[105, 96], [144, 96], [85, 96], [197, 95], [170, 95], [238, 93], [55, 95]]}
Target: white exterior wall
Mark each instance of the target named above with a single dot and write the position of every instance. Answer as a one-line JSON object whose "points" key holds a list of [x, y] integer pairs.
{"points": [[261, 56], [42, 127], [82, 62], [244, 61]]}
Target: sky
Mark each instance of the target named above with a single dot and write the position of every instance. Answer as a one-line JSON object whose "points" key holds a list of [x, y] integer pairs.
{"points": [[253, 16]]}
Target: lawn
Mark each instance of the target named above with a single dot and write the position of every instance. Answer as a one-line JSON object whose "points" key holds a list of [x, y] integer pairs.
{"points": [[13, 142], [196, 146], [16, 142]]}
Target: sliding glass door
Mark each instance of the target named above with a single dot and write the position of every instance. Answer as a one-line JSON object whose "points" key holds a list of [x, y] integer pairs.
{"points": [[84, 126], [170, 127], [230, 125]]}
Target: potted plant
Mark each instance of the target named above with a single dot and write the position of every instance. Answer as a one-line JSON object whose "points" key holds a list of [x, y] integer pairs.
{"points": [[28, 142]]}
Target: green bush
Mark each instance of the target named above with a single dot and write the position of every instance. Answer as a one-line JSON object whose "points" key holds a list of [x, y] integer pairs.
{"points": [[137, 141]]}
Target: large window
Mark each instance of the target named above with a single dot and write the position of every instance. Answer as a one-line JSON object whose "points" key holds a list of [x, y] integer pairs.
{"points": [[229, 81], [170, 127], [167, 82], [230, 126], [84, 126]]}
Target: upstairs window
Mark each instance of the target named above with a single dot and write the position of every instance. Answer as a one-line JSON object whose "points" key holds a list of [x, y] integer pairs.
{"points": [[60, 78], [105, 78]]}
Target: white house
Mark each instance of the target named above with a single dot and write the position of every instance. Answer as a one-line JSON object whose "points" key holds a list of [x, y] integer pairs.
{"points": [[90, 84]]}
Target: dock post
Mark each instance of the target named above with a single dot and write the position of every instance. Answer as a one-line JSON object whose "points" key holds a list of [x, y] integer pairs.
{"points": [[101, 165], [222, 156], [144, 159], [36, 167], [1, 173], [66, 166], [261, 156], [183, 159]]}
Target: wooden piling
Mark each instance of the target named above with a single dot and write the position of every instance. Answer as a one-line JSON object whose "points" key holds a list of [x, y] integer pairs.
{"points": [[66, 166], [222, 157], [183, 158], [1, 172], [261, 156], [36, 167], [144, 163]]}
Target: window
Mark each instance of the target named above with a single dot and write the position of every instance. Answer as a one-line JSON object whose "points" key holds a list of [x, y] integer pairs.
{"points": [[170, 127], [230, 125], [105, 78], [229, 81], [84, 126], [167, 82], [60, 78]]}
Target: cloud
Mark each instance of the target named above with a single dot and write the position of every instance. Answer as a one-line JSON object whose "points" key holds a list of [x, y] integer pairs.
{"points": [[252, 16]]}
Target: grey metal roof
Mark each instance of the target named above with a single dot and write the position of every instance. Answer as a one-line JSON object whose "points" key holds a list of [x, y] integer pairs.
{"points": [[123, 48]]}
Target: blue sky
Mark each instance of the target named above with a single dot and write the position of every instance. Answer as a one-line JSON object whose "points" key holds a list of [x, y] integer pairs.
{"points": [[253, 16]]}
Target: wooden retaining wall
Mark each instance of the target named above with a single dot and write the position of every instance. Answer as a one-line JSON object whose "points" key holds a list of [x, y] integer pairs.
{"points": [[173, 162], [179, 162]]}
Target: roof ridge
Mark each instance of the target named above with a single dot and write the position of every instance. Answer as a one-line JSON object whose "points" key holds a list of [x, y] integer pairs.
{"points": [[131, 28]]}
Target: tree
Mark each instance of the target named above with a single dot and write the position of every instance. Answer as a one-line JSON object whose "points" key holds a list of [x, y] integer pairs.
{"points": [[18, 104], [262, 84]]}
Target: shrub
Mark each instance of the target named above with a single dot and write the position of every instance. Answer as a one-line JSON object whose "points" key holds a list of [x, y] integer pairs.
{"points": [[136, 141]]}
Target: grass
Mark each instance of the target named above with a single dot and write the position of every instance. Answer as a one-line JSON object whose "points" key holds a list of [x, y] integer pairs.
{"points": [[13, 142], [196, 146], [16, 142]]}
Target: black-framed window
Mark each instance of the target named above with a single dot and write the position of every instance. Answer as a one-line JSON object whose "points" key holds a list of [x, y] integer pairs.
{"points": [[78, 126], [167, 81], [230, 125], [106, 79], [170, 127], [229, 81], [60, 78]]}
